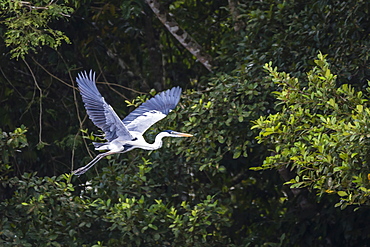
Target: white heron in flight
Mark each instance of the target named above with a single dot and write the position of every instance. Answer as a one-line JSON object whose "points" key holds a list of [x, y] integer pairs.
{"points": [[127, 134]]}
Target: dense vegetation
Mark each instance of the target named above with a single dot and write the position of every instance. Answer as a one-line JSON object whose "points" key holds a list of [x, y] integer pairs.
{"points": [[277, 158]]}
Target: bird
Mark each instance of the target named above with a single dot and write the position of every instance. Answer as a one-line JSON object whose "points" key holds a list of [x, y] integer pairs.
{"points": [[127, 134]]}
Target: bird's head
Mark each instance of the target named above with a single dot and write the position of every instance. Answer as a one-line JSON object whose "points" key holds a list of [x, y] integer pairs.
{"points": [[172, 133]]}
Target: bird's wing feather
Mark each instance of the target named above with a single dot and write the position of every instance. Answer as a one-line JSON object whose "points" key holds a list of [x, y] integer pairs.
{"points": [[101, 113], [152, 110]]}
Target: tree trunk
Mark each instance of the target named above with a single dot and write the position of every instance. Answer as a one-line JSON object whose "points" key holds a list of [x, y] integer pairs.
{"points": [[234, 11], [180, 34]]}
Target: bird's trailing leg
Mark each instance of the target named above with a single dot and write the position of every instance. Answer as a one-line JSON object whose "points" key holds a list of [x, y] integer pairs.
{"points": [[84, 169]]}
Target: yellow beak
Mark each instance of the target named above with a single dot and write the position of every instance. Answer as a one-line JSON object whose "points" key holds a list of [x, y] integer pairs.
{"points": [[183, 134]]}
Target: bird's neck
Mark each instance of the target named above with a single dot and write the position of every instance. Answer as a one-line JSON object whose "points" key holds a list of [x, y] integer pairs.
{"points": [[158, 141], [151, 146]]}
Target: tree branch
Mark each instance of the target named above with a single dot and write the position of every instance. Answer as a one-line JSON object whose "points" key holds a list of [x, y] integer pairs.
{"points": [[180, 34]]}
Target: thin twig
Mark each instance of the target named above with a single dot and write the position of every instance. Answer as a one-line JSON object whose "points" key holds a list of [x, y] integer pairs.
{"points": [[114, 84], [55, 77], [40, 102], [78, 116]]}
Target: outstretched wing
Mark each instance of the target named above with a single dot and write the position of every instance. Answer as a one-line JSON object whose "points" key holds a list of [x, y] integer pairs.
{"points": [[98, 110], [152, 110]]}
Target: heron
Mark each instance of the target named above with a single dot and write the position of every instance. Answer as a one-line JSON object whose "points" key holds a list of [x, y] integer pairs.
{"points": [[127, 134]]}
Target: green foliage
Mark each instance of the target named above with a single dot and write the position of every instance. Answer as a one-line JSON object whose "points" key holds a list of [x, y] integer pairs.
{"points": [[321, 132], [140, 222], [229, 102], [291, 33], [54, 215], [50, 212], [27, 25], [11, 142], [10, 145]]}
